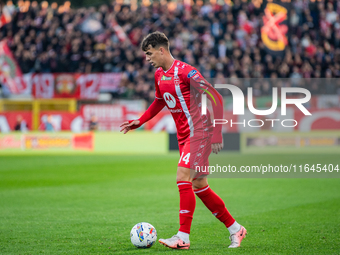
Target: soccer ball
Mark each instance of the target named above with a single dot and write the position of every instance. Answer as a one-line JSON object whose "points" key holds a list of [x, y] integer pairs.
{"points": [[143, 235]]}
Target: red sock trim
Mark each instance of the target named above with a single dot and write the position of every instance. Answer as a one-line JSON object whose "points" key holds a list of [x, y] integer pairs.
{"points": [[201, 189], [183, 183]]}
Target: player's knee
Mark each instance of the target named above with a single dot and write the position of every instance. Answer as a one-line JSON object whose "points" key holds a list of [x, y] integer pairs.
{"points": [[200, 183], [183, 175]]}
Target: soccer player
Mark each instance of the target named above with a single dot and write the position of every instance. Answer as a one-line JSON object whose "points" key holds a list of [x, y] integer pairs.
{"points": [[180, 86]]}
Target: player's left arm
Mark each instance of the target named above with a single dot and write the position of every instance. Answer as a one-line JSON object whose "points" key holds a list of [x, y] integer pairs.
{"points": [[204, 87]]}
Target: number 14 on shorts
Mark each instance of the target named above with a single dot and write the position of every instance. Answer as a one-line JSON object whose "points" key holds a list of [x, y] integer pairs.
{"points": [[186, 158]]}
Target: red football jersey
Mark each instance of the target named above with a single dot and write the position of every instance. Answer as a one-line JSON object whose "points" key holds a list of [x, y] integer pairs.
{"points": [[184, 101]]}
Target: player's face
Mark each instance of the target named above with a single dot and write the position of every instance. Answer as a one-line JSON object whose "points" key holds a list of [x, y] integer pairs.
{"points": [[154, 56]]}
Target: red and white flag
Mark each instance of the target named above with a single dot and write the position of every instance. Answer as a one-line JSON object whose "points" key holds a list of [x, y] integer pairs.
{"points": [[118, 30], [6, 15], [10, 73]]}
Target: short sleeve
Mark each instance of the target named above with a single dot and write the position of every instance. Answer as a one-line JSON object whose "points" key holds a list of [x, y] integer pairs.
{"points": [[194, 78], [157, 91]]}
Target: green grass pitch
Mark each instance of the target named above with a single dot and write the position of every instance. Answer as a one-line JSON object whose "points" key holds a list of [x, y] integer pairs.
{"points": [[88, 205]]}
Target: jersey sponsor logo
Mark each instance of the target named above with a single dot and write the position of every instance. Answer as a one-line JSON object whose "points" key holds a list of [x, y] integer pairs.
{"points": [[169, 99], [166, 78], [192, 73], [175, 110], [196, 77]]}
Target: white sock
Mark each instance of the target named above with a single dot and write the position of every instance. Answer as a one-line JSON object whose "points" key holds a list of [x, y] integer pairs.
{"points": [[183, 236], [233, 229]]}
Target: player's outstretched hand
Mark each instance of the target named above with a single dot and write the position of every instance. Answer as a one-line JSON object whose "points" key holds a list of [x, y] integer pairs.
{"points": [[126, 126], [217, 147]]}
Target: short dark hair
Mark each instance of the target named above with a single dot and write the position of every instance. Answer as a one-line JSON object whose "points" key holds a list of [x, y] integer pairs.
{"points": [[155, 39]]}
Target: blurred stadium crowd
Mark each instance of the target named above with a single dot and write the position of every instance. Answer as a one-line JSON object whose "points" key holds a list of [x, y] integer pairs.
{"points": [[220, 39]]}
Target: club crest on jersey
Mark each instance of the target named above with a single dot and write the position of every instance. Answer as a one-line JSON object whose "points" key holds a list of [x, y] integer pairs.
{"points": [[165, 78], [192, 73], [169, 99]]}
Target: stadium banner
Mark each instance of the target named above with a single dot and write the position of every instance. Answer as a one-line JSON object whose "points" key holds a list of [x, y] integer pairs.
{"points": [[62, 142], [11, 142], [61, 121], [144, 142], [45, 142], [275, 26], [55, 85], [9, 120], [110, 117], [320, 119], [71, 85], [10, 73], [110, 82], [297, 142], [80, 86], [65, 86]]}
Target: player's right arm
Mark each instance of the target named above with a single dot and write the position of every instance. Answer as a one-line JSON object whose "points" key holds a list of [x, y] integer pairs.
{"points": [[156, 106]]}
